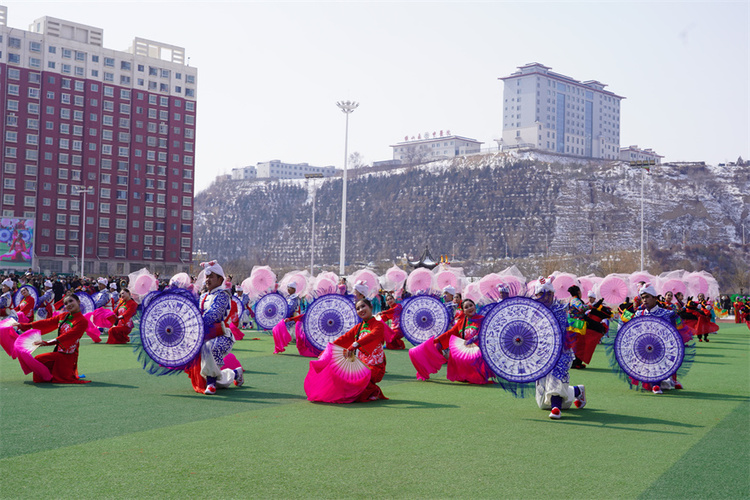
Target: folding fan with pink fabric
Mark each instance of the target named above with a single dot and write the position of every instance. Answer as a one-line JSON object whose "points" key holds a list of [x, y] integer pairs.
{"points": [[24, 347], [335, 378], [613, 289], [98, 318], [8, 336], [394, 278], [427, 359], [420, 281], [263, 279], [371, 280], [562, 282]]}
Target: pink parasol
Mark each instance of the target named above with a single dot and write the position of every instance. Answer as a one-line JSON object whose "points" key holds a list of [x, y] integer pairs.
{"points": [[323, 286], [262, 279], [144, 284], [562, 282], [247, 287], [370, 279], [335, 378], [613, 289], [488, 286], [515, 286], [587, 284], [395, 277], [472, 292], [447, 278], [639, 276], [419, 281], [673, 285], [696, 284], [181, 280]]}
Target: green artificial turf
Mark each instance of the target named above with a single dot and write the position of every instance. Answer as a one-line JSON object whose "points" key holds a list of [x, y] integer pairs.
{"points": [[132, 435]]}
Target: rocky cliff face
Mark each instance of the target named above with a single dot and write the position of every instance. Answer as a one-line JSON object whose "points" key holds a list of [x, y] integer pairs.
{"points": [[479, 207]]}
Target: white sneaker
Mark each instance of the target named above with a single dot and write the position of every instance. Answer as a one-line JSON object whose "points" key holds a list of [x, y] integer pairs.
{"points": [[580, 401], [210, 390], [239, 378], [555, 413], [656, 390]]}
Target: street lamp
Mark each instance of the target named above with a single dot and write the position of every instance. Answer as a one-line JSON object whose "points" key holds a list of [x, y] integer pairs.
{"points": [[85, 190], [644, 165], [347, 107], [312, 230]]}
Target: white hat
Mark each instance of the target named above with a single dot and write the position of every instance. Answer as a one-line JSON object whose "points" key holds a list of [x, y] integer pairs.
{"points": [[113, 286], [543, 285], [48, 283], [591, 294], [212, 267], [449, 289], [292, 284], [362, 287], [649, 289], [103, 281], [8, 283]]}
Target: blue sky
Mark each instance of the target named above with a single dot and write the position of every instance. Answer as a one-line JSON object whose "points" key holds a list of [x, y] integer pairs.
{"points": [[269, 73]]}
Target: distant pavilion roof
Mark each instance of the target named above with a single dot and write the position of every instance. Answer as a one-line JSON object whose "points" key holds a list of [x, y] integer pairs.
{"points": [[425, 260]]}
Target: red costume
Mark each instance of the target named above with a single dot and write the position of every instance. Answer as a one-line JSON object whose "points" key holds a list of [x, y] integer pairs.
{"points": [[124, 311], [369, 335], [459, 370], [738, 316], [63, 362], [393, 315], [26, 307]]}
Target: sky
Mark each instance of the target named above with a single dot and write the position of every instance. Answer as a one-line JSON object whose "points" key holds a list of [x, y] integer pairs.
{"points": [[270, 73]]}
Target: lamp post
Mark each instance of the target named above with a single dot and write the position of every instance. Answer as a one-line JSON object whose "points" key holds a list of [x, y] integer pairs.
{"points": [[644, 166], [85, 190], [312, 229], [347, 107]]}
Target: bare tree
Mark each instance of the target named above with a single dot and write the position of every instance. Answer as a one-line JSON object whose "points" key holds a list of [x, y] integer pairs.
{"points": [[416, 154], [356, 160]]}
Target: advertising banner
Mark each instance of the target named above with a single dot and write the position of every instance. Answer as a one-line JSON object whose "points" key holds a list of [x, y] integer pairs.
{"points": [[16, 243]]}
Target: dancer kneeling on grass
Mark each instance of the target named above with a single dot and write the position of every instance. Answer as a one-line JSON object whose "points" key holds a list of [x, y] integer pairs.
{"points": [[63, 362], [553, 391], [350, 368], [124, 312], [365, 340], [208, 375]]}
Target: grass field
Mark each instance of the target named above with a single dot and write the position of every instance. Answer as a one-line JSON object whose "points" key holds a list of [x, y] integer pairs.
{"points": [[132, 435]]}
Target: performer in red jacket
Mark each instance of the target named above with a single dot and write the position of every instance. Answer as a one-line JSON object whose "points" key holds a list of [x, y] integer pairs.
{"points": [[124, 312], [26, 307], [365, 340], [63, 362]]}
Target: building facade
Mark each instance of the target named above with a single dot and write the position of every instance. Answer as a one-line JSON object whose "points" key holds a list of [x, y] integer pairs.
{"points": [[435, 146], [634, 153], [279, 170], [551, 112], [244, 173], [118, 126]]}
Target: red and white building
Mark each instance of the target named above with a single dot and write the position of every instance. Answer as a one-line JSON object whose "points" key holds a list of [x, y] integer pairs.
{"points": [[121, 123]]}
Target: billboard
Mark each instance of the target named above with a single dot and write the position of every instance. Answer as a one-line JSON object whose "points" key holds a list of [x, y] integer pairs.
{"points": [[16, 243]]}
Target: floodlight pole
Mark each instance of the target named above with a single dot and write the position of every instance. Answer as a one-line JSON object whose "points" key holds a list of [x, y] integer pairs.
{"points": [[312, 229], [347, 107], [85, 190]]}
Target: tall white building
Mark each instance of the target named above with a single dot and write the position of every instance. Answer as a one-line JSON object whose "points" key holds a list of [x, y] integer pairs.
{"points": [[548, 111]]}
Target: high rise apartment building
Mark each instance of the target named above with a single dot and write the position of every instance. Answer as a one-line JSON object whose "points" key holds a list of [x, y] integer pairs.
{"points": [[548, 111], [121, 123]]}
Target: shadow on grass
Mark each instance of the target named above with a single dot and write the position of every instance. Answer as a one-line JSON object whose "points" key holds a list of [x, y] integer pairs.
{"points": [[390, 403], [601, 418], [93, 383], [712, 396], [245, 395]]}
